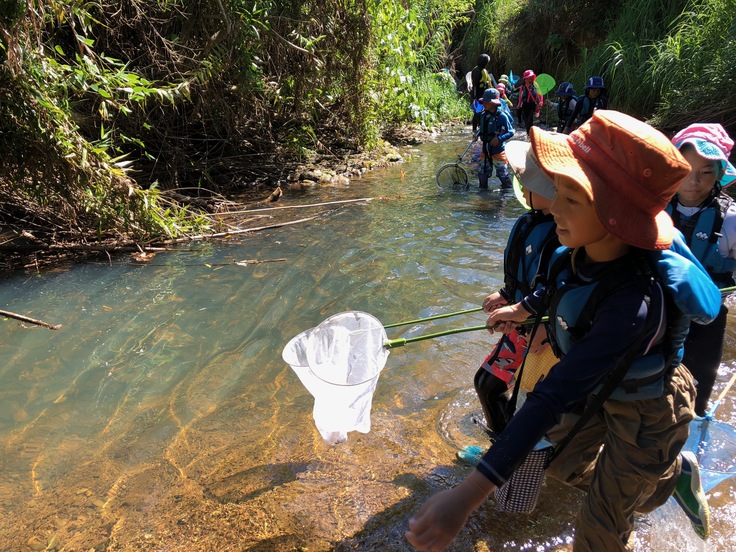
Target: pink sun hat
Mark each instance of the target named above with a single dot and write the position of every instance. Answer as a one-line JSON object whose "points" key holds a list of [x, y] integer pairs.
{"points": [[711, 141]]}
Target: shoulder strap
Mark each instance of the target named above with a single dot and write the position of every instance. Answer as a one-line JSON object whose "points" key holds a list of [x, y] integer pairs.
{"points": [[612, 381], [622, 366]]}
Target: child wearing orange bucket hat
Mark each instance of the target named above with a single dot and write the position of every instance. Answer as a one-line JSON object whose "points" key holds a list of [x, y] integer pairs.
{"points": [[621, 292], [707, 218]]}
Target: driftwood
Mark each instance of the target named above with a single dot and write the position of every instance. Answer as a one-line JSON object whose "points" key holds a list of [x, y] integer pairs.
{"points": [[242, 231], [244, 262], [30, 320], [296, 206]]}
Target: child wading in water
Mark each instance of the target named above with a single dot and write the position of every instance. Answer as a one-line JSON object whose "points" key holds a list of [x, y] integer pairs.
{"points": [[530, 244], [530, 100], [566, 105], [595, 97], [707, 218], [620, 294], [480, 80], [494, 130]]}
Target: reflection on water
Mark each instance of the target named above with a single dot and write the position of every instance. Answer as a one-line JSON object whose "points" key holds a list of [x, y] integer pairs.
{"points": [[161, 415]]}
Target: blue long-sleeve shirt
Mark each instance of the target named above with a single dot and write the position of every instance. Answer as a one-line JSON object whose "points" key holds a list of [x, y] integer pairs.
{"points": [[617, 322]]}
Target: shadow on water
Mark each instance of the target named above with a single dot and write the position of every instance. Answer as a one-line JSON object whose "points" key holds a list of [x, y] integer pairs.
{"points": [[162, 416]]}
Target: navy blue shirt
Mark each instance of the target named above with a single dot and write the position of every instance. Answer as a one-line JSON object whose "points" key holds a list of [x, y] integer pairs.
{"points": [[616, 323]]}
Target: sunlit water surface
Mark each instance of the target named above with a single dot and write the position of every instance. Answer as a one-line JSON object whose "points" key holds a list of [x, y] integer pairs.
{"points": [[161, 416]]}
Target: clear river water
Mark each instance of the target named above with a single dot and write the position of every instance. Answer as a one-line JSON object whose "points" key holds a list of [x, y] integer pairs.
{"points": [[161, 416]]}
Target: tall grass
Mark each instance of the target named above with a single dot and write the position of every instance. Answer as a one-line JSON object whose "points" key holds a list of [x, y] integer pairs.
{"points": [[672, 62], [409, 50], [694, 67]]}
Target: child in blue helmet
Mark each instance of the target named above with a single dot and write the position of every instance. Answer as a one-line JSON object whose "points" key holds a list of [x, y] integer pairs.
{"points": [[566, 105], [707, 218], [495, 128], [595, 97]]}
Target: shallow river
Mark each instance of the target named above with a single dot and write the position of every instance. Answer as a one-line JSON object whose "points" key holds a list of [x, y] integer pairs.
{"points": [[161, 416]]}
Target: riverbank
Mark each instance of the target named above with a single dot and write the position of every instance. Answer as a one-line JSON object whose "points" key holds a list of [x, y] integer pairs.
{"points": [[29, 243]]}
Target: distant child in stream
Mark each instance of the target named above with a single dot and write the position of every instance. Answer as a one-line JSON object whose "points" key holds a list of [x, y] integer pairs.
{"points": [[480, 80], [595, 97], [530, 100], [621, 293], [530, 244], [495, 128], [707, 218], [566, 105]]}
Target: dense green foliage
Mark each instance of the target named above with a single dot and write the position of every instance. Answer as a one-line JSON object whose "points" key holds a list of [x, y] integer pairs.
{"points": [[106, 107], [669, 61]]}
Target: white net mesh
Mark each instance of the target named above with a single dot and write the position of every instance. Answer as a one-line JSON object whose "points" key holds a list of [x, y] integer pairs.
{"points": [[339, 362]]}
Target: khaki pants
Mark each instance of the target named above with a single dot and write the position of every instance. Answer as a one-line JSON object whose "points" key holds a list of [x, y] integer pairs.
{"points": [[635, 469]]}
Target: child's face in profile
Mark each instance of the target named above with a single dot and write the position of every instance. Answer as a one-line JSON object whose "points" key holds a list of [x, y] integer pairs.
{"points": [[575, 216], [698, 185]]}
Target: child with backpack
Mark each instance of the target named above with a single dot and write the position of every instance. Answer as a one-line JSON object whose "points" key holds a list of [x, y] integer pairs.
{"points": [[621, 293], [495, 128], [566, 105], [595, 97], [530, 100], [528, 248], [707, 218], [480, 80]]}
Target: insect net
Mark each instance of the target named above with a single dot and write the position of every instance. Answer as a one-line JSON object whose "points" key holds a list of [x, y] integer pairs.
{"points": [[339, 362]]}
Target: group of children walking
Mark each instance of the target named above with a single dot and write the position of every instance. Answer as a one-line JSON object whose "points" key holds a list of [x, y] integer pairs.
{"points": [[491, 96], [627, 241]]}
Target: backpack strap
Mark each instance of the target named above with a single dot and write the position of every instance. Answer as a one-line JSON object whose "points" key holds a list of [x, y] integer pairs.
{"points": [[611, 280]]}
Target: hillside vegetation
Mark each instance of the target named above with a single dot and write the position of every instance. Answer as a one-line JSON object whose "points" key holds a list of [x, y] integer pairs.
{"points": [[113, 114]]}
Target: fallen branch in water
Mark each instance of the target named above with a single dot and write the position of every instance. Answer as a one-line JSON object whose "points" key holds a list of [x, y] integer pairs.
{"points": [[242, 231], [245, 262], [297, 206], [30, 320]]}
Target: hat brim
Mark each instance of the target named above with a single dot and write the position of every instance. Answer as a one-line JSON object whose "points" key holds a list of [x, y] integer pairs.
{"points": [[557, 156], [527, 169], [729, 175], [712, 152], [492, 102]]}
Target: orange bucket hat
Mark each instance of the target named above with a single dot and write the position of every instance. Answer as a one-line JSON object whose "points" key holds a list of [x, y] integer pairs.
{"points": [[629, 169]]}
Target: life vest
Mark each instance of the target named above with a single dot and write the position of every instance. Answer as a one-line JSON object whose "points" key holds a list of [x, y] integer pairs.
{"points": [[480, 80], [529, 94], [532, 241], [563, 109], [488, 125], [590, 105], [702, 232], [572, 307]]}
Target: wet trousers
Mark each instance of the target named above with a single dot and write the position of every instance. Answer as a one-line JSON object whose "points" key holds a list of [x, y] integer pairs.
{"points": [[499, 162], [526, 115], [627, 460], [703, 351]]}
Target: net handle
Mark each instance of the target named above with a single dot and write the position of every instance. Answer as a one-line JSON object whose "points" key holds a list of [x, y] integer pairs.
{"points": [[467, 148], [435, 317], [400, 342], [712, 412]]}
